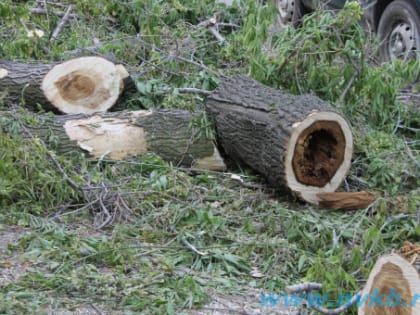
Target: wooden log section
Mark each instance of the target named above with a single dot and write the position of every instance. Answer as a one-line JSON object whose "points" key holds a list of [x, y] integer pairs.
{"points": [[296, 142], [346, 200], [120, 135], [396, 276], [83, 85]]}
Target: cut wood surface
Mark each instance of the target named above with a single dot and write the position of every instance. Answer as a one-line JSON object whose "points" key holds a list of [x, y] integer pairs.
{"points": [[120, 135], [346, 200], [396, 277], [82, 85], [296, 142]]}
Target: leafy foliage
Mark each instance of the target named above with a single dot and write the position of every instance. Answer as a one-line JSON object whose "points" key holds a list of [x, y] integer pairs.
{"points": [[330, 55], [28, 182]]}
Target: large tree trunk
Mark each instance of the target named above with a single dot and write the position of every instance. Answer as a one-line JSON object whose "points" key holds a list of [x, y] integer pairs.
{"points": [[395, 281], [295, 142], [82, 85], [119, 135]]}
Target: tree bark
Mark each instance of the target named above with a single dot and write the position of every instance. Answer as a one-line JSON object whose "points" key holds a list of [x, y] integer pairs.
{"points": [[81, 85], [395, 279], [168, 133], [296, 142]]}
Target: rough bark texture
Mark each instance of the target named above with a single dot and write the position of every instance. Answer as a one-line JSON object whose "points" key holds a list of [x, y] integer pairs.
{"points": [[76, 90], [256, 124], [119, 135], [22, 83], [395, 281]]}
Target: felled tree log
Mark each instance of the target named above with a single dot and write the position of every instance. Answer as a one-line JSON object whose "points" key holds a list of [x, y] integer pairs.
{"points": [[79, 86], [395, 282], [296, 142], [120, 135]]}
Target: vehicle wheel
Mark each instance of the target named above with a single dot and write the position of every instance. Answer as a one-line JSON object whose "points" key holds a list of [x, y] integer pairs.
{"points": [[399, 31], [290, 11]]}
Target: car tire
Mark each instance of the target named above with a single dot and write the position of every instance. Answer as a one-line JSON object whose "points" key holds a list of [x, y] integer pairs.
{"points": [[399, 31], [290, 11]]}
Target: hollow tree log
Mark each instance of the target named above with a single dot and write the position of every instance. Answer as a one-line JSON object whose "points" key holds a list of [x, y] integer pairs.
{"points": [[295, 142], [82, 85], [395, 280], [120, 135]]}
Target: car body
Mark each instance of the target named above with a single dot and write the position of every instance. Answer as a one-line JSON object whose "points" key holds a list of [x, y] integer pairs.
{"points": [[396, 22]]}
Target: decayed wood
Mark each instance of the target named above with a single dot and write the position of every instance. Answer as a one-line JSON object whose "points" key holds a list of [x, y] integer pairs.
{"points": [[81, 85], [395, 281], [120, 135], [346, 200], [295, 142]]}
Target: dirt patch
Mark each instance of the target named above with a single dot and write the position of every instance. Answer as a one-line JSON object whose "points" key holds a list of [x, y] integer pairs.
{"points": [[11, 267], [246, 303]]}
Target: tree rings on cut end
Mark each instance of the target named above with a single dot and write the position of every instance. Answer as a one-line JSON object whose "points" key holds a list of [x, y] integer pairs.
{"points": [[318, 155], [83, 85], [395, 283]]}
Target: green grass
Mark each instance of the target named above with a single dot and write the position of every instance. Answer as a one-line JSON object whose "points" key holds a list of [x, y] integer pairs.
{"points": [[178, 235]]}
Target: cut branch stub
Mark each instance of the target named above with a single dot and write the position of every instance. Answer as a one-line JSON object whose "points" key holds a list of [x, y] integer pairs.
{"points": [[295, 142], [83, 85]]}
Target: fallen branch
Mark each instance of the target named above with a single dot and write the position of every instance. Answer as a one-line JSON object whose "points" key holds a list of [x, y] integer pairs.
{"points": [[307, 287], [303, 287], [338, 310], [60, 25], [192, 247], [212, 26], [56, 13]]}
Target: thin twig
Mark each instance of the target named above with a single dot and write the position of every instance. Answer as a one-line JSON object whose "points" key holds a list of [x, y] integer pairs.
{"points": [[310, 286], [53, 159], [214, 30], [107, 214], [60, 25], [193, 91], [180, 58], [303, 287], [59, 215], [228, 25], [97, 310], [338, 310], [411, 155], [212, 26], [192, 247], [56, 13], [347, 88]]}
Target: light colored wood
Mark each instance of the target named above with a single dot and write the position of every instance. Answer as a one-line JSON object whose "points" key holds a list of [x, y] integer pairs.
{"points": [[346, 200], [79, 86], [83, 85], [318, 154], [393, 272]]}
